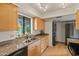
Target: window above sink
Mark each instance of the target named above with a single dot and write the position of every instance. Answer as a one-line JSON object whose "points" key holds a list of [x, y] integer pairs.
{"points": [[24, 25]]}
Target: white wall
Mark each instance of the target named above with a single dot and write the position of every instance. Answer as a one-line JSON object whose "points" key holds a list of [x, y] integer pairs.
{"points": [[60, 32], [48, 29], [76, 33], [9, 35]]}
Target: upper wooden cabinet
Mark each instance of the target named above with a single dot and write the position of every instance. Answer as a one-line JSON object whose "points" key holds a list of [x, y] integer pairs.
{"points": [[38, 23], [77, 20], [8, 17]]}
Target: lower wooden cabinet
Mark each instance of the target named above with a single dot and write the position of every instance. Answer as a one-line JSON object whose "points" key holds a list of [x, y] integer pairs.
{"points": [[44, 43], [34, 49], [47, 40], [38, 47]]}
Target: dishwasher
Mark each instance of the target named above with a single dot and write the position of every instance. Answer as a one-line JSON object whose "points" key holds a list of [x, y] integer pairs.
{"points": [[20, 52]]}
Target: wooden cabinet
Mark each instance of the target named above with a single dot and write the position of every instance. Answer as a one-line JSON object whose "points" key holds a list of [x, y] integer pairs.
{"points": [[77, 20], [44, 43], [38, 47], [38, 24], [8, 17], [34, 49], [47, 41]]}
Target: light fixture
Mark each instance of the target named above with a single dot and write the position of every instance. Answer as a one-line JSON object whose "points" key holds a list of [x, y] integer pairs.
{"points": [[64, 5], [43, 7]]}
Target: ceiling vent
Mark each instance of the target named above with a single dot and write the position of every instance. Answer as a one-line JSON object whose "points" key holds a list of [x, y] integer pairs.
{"points": [[58, 16]]}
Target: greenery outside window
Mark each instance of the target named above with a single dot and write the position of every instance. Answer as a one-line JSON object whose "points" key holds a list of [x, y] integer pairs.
{"points": [[20, 26], [24, 25], [27, 25]]}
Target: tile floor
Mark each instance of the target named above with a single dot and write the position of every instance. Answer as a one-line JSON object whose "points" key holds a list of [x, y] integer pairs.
{"points": [[58, 50]]}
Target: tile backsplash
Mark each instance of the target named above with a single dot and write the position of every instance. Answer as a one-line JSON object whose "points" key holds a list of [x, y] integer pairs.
{"points": [[9, 35]]}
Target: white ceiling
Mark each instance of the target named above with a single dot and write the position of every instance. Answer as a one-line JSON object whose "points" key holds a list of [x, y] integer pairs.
{"points": [[53, 9], [70, 17]]}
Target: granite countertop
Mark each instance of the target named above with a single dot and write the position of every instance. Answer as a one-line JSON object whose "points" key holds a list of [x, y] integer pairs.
{"points": [[13, 46], [41, 35], [16, 44], [73, 40]]}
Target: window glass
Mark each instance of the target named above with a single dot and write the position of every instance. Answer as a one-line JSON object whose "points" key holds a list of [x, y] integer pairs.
{"points": [[20, 26], [24, 25], [27, 25]]}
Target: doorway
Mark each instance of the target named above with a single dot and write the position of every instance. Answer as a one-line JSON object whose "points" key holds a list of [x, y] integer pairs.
{"points": [[67, 32], [61, 31], [54, 33]]}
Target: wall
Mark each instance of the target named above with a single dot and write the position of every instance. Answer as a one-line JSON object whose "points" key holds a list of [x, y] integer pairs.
{"points": [[48, 29], [60, 32], [9, 35], [73, 32], [76, 33]]}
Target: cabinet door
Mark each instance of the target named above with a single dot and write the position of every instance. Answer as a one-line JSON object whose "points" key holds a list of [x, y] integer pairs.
{"points": [[42, 24], [77, 20], [38, 24], [13, 13], [34, 49], [37, 50], [44, 43], [47, 41], [8, 17]]}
